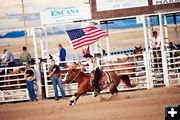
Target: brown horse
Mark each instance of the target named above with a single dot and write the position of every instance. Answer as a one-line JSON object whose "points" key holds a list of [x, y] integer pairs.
{"points": [[128, 63], [108, 79]]}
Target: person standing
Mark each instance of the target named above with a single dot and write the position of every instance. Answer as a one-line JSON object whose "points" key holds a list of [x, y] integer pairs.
{"points": [[62, 55], [30, 78], [9, 59], [54, 74], [155, 40], [25, 57], [155, 49], [3, 59]]}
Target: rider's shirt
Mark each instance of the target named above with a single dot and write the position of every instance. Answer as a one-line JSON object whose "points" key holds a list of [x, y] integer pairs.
{"points": [[92, 65]]}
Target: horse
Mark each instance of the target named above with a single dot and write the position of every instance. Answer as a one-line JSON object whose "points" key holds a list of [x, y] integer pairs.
{"points": [[138, 51], [12, 75], [127, 61], [108, 79]]}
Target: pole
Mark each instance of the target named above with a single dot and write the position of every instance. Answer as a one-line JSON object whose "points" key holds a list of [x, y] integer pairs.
{"points": [[164, 58], [44, 65], [37, 66], [24, 22], [148, 72], [35, 44], [107, 42], [46, 43], [41, 44]]}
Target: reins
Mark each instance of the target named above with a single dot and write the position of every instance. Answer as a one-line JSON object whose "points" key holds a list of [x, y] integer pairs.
{"points": [[75, 77]]}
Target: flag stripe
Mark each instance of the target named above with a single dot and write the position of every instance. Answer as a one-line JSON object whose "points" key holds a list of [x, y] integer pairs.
{"points": [[85, 36], [87, 39]]}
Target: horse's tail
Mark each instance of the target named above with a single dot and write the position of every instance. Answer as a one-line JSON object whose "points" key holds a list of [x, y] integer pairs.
{"points": [[126, 80]]}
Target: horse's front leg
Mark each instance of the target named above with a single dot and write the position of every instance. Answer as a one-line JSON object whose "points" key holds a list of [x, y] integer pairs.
{"points": [[72, 100], [76, 96]]}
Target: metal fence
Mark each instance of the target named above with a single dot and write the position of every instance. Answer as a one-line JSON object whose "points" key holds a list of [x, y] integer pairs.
{"points": [[13, 84], [142, 70]]}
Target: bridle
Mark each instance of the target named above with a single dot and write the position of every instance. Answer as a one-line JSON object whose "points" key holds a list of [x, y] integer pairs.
{"points": [[74, 77]]}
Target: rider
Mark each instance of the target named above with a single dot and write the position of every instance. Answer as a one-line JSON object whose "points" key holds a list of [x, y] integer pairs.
{"points": [[94, 68]]}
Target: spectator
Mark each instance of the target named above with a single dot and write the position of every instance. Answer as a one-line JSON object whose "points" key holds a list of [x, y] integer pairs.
{"points": [[25, 57], [9, 59], [155, 47], [3, 58], [30, 78], [171, 46], [155, 40], [62, 55], [54, 74]]}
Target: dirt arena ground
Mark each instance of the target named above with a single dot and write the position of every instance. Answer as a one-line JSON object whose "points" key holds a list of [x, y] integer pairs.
{"points": [[132, 105]]}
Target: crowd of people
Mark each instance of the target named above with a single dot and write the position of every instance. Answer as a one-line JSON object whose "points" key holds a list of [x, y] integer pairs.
{"points": [[7, 60]]}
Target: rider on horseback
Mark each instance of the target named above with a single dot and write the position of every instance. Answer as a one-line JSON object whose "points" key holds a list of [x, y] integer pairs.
{"points": [[95, 70]]}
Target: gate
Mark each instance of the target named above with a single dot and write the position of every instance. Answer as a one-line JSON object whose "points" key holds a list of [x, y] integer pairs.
{"points": [[13, 84], [163, 66]]}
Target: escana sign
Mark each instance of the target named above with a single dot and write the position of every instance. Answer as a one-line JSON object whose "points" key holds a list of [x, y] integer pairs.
{"points": [[162, 2], [58, 16]]}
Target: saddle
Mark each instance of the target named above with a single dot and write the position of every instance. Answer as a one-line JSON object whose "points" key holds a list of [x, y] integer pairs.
{"points": [[102, 82]]}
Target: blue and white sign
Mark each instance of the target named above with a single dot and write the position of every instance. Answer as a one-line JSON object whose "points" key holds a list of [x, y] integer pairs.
{"points": [[162, 2], [58, 16], [104, 5]]}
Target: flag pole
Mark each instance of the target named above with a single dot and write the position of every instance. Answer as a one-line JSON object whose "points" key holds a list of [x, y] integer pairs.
{"points": [[73, 48]]}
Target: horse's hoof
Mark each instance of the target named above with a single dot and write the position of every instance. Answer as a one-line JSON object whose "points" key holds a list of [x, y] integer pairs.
{"points": [[71, 101]]}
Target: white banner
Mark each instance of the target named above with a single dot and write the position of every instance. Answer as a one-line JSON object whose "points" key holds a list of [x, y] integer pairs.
{"points": [[57, 16], [162, 2], [104, 5]]}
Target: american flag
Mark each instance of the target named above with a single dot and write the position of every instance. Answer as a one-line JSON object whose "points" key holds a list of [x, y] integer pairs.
{"points": [[85, 36]]}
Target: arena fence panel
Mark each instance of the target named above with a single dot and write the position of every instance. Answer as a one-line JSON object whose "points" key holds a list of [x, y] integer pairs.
{"points": [[132, 65], [69, 89], [13, 84], [173, 64]]}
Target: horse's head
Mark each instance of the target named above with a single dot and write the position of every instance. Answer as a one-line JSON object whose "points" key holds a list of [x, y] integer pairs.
{"points": [[72, 74], [138, 50]]}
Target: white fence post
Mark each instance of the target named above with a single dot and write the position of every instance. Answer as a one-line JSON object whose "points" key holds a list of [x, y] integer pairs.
{"points": [[165, 68], [146, 54], [45, 80], [38, 79], [164, 57], [179, 78], [3, 96], [147, 68]]}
